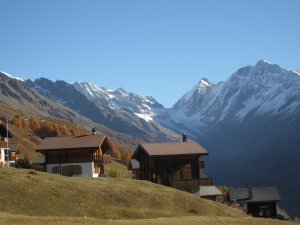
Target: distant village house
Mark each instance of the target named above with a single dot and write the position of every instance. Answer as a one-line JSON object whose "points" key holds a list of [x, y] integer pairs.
{"points": [[9, 152]]}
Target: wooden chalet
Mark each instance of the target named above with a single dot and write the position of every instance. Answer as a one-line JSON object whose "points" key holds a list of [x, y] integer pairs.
{"points": [[258, 202], [173, 164], [80, 156], [9, 152]]}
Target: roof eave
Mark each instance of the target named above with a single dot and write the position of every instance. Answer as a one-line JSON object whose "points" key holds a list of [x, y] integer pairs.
{"points": [[72, 149]]}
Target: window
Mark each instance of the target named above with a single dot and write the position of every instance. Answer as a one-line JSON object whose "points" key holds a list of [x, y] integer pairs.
{"points": [[71, 170], [55, 169]]}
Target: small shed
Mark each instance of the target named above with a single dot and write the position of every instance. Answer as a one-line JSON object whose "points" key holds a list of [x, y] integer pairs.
{"points": [[209, 192], [134, 167], [39, 164]]}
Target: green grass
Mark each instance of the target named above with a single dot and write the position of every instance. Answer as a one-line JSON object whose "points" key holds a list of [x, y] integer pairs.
{"points": [[31, 197], [6, 218], [117, 165]]}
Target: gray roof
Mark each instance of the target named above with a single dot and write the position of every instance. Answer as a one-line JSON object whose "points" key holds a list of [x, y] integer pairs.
{"points": [[209, 191], [13, 147], [259, 194], [171, 148], [135, 164], [40, 160]]}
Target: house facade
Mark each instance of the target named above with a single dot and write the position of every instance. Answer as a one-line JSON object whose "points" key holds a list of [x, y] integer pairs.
{"points": [[80, 156], [173, 164], [258, 201], [9, 152]]}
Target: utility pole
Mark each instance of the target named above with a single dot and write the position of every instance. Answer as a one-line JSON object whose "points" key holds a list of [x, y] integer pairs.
{"points": [[7, 151]]}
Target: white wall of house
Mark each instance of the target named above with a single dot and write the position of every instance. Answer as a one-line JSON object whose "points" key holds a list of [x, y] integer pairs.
{"points": [[2, 155], [86, 168], [2, 159]]}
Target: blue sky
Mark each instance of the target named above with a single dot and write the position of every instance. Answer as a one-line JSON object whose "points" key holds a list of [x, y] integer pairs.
{"points": [[158, 48]]}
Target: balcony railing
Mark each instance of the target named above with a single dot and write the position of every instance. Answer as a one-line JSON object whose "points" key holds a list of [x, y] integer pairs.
{"points": [[192, 183]]}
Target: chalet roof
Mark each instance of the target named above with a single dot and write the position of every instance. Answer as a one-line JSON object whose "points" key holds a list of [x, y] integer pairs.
{"points": [[259, 194], [171, 148], [76, 142], [13, 147], [209, 191]]}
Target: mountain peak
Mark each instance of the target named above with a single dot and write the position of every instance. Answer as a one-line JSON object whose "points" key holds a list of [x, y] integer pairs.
{"points": [[263, 62], [6, 74], [265, 65], [122, 90]]}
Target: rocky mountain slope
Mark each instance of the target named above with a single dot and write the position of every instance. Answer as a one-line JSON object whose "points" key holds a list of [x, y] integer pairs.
{"points": [[17, 93], [112, 109]]}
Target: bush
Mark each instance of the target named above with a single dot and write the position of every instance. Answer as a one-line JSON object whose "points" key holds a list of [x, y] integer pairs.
{"points": [[114, 173], [22, 163]]}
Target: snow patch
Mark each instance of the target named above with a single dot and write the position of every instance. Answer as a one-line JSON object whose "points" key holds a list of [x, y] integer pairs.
{"points": [[17, 78]]}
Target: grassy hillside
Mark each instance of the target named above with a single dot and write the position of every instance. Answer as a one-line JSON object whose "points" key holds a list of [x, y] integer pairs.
{"points": [[40, 194], [117, 165], [37, 197], [11, 219]]}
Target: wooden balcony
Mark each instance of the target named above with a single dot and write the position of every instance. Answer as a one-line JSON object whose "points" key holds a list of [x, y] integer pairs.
{"points": [[98, 160], [3, 144], [192, 183]]}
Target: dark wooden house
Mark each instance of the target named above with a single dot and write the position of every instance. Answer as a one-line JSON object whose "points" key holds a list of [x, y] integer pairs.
{"points": [[174, 164], [258, 201], [79, 156]]}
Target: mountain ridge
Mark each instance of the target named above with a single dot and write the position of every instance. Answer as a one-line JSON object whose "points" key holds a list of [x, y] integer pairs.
{"points": [[248, 123]]}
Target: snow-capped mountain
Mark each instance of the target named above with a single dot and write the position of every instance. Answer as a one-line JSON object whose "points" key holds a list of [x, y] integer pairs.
{"points": [[263, 89], [139, 105], [249, 123], [117, 110]]}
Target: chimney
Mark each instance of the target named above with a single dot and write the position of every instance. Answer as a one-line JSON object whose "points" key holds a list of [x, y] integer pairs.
{"points": [[250, 193], [94, 131], [183, 137]]}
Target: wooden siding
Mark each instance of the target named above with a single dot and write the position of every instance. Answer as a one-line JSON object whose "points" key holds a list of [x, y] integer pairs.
{"points": [[74, 156], [174, 171], [3, 144], [201, 164], [40, 167]]}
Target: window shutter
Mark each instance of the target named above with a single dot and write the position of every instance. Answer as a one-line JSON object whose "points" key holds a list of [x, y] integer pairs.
{"points": [[63, 170]]}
